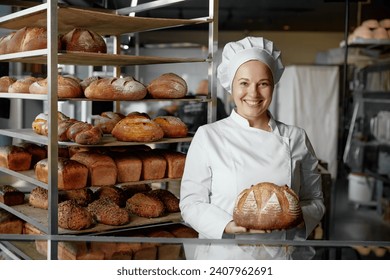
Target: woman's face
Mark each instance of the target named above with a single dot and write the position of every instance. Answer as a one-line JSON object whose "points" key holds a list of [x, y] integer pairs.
{"points": [[252, 90]]}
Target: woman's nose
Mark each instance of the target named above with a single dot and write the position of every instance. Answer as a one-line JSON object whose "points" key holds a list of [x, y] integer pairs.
{"points": [[253, 90]]}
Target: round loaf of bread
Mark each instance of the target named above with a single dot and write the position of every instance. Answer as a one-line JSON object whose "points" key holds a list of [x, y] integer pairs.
{"points": [[171, 202], [67, 87], [39, 198], [168, 85], [137, 130], [5, 83], [73, 216], [84, 133], [172, 126], [145, 205], [266, 206], [22, 85], [107, 120], [138, 115], [126, 89], [83, 40]]}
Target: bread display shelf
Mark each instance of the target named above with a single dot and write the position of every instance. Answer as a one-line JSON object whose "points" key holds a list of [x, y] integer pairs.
{"points": [[28, 176], [367, 43], [104, 23], [43, 97], [97, 59], [107, 140], [40, 216]]}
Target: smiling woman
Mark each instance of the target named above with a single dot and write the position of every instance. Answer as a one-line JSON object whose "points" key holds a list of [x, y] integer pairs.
{"points": [[247, 148]]}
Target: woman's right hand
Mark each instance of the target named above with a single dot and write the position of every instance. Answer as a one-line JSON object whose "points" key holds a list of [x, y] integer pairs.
{"points": [[232, 228]]}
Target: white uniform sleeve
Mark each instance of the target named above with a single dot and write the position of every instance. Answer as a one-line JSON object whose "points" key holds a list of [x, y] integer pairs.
{"points": [[207, 219], [310, 194]]}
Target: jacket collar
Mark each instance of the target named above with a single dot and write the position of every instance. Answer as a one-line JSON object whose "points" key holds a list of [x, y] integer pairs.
{"points": [[243, 122]]}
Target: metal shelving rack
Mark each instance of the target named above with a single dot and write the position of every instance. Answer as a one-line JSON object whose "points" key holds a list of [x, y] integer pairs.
{"points": [[58, 18]]}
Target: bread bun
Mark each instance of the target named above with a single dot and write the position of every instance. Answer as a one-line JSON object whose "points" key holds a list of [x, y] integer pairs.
{"points": [[67, 87], [73, 216], [173, 127], [362, 32], [266, 206], [82, 196], [370, 23], [107, 212], [22, 85], [145, 205], [5, 83], [138, 115], [171, 202], [126, 89], [39, 198], [83, 40], [168, 85], [137, 130], [385, 23], [107, 120], [380, 33]]}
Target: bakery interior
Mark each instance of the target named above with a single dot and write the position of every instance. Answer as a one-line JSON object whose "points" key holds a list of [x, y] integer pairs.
{"points": [[338, 92]]}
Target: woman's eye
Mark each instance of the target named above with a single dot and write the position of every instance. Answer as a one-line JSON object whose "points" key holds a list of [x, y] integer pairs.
{"points": [[243, 83], [263, 85]]}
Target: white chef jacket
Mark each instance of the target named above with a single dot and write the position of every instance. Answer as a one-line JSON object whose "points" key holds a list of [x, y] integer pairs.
{"points": [[228, 156]]}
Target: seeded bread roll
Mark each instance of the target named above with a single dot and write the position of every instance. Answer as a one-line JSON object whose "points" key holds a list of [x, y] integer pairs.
{"points": [[81, 196], [172, 126], [107, 212], [145, 205], [115, 194], [266, 206], [22, 85], [6, 82], [66, 87], [10, 195], [102, 170], [83, 40], [171, 202], [71, 174], [137, 130], [15, 158], [125, 89], [107, 120], [73, 216], [39, 198], [168, 85], [130, 190]]}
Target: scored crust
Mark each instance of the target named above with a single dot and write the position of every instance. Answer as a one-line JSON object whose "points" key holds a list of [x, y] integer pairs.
{"points": [[266, 206]]}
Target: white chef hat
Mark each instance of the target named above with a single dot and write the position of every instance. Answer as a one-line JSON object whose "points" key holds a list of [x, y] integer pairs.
{"points": [[250, 48]]}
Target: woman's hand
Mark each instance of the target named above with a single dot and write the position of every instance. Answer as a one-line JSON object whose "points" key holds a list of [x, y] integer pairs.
{"points": [[232, 228]]}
